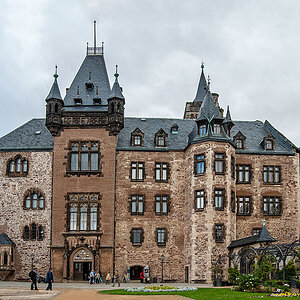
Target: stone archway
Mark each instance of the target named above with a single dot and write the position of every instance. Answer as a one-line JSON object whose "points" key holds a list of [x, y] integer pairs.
{"points": [[81, 262]]}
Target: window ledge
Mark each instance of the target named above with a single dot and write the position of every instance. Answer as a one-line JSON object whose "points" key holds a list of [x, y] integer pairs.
{"points": [[220, 242], [161, 244], [199, 209], [136, 244], [271, 183], [200, 174], [241, 182], [243, 215], [83, 173], [84, 233]]}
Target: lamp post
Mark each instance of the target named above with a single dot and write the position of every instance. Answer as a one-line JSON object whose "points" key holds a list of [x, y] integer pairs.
{"points": [[32, 257], [162, 268]]}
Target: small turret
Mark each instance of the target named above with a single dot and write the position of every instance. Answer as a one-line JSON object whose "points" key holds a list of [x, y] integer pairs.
{"points": [[227, 123], [54, 104], [116, 102]]}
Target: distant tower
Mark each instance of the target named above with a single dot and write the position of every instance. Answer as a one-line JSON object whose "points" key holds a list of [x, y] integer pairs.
{"points": [[116, 102], [54, 107]]}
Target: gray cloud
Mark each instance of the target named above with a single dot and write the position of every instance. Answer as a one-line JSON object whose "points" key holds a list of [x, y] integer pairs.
{"points": [[250, 50]]}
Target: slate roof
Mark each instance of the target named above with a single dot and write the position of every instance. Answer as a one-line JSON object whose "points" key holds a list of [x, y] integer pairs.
{"points": [[263, 237], [32, 136], [116, 90], [96, 65], [202, 86], [54, 92], [5, 240], [150, 126], [255, 131]]}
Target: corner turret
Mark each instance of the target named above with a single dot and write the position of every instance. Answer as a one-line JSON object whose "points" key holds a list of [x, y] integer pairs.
{"points": [[54, 104], [116, 102]]}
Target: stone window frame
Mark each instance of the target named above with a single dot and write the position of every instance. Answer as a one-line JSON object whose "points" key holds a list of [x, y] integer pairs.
{"points": [[233, 201], [165, 235], [13, 163], [162, 199], [223, 201], [266, 205], [276, 171], [139, 198], [141, 236], [90, 151], [78, 200], [161, 136], [240, 141], [160, 167], [246, 210], [139, 166], [243, 169], [220, 161], [33, 232], [219, 233], [199, 160], [40, 196], [137, 133], [200, 194]]}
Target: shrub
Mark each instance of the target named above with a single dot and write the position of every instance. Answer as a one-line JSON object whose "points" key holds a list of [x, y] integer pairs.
{"points": [[248, 282], [233, 275]]}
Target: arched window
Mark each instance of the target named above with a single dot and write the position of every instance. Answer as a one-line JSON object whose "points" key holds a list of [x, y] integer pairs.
{"points": [[25, 166], [56, 108], [5, 259], [11, 166], [41, 202], [17, 166], [34, 199], [26, 233], [33, 231], [41, 233], [27, 202]]}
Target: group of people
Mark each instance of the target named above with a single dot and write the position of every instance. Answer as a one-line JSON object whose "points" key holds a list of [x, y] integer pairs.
{"points": [[97, 278], [34, 277]]}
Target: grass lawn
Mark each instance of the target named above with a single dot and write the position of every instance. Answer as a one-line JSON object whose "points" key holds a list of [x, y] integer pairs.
{"points": [[203, 294]]}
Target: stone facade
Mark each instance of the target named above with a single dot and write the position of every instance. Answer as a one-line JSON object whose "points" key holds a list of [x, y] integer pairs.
{"points": [[14, 217]]}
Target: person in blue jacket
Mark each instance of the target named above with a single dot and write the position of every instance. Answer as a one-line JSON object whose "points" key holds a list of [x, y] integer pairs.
{"points": [[49, 279]]}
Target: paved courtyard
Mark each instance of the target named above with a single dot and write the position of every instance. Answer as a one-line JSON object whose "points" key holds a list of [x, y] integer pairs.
{"points": [[13, 290]]}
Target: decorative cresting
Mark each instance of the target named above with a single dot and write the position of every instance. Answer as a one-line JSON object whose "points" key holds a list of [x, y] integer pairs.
{"points": [[116, 102], [54, 107]]}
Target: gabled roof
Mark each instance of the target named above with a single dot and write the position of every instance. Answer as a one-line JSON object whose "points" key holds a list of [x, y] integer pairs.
{"points": [[31, 136], [54, 92], [263, 237], [5, 240], [209, 109], [96, 65], [202, 86]]}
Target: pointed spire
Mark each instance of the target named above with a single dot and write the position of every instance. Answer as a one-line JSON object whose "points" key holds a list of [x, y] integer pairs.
{"points": [[54, 92], [202, 86], [116, 90], [228, 116], [265, 235]]}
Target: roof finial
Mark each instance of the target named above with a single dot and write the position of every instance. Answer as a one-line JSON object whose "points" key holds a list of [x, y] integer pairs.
{"points": [[95, 37], [264, 222], [55, 75], [202, 65], [116, 74]]}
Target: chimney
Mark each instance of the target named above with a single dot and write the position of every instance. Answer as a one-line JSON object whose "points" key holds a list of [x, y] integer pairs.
{"points": [[216, 98]]}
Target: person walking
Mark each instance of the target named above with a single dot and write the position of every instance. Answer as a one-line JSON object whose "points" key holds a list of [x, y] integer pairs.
{"points": [[107, 278], [92, 277], [49, 279], [117, 278], [33, 276]]}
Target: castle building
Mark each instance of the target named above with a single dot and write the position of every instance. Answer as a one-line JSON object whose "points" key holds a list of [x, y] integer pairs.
{"points": [[90, 189]]}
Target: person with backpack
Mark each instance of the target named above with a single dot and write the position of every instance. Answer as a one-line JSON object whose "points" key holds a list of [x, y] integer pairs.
{"points": [[33, 276]]}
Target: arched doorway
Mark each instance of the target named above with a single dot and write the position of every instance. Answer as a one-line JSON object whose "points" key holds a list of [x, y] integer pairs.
{"points": [[135, 272], [81, 262]]}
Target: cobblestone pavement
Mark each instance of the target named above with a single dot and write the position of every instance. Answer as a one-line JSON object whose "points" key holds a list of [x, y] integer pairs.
{"points": [[15, 290]]}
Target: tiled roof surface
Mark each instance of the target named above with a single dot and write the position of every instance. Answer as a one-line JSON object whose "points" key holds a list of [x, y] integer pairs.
{"points": [[5, 240]]}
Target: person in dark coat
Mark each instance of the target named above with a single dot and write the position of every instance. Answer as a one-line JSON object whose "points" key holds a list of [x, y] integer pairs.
{"points": [[49, 279], [33, 276]]}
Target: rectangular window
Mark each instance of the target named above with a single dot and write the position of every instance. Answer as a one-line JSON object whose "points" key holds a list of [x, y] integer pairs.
{"points": [[272, 174], [83, 218], [272, 206], [161, 205], [161, 141], [243, 173], [93, 218], [73, 218], [161, 172], [202, 129], [219, 233], [217, 129], [256, 231], [232, 167], [219, 163], [137, 236], [199, 200], [219, 199], [137, 171], [94, 161], [232, 201], [239, 144], [84, 166], [74, 161], [199, 164], [243, 205], [137, 205], [161, 236]]}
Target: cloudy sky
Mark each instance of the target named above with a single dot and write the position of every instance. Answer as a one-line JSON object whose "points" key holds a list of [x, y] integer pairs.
{"points": [[250, 50]]}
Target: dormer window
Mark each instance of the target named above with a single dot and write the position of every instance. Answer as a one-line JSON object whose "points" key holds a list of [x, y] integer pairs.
{"points": [[269, 142], [89, 85], [77, 101], [97, 101], [269, 145], [202, 129], [239, 144], [174, 129], [240, 141], [161, 138], [217, 129], [137, 138]]}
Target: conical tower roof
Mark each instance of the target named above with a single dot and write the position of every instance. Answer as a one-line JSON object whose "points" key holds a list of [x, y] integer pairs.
{"points": [[228, 117], [202, 87], [54, 92], [116, 90], [265, 235]]}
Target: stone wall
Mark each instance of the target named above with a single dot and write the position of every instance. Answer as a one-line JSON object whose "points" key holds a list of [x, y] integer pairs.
{"points": [[14, 217]]}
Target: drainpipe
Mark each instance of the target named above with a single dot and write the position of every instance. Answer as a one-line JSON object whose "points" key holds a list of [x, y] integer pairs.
{"points": [[115, 210], [51, 209]]}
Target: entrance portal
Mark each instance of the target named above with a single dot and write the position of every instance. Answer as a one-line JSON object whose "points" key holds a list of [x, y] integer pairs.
{"points": [[135, 272], [82, 264]]}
